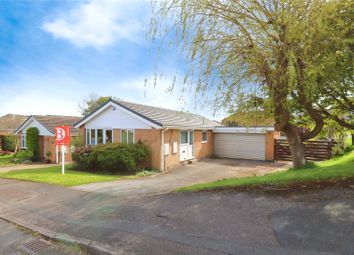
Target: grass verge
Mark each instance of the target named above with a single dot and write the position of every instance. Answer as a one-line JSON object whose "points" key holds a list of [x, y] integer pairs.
{"points": [[5, 160], [52, 175], [339, 167]]}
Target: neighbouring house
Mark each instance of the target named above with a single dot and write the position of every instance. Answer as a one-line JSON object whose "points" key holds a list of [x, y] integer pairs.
{"points": [[8, 125], [172, 136], [10, 122], [46, 125]]}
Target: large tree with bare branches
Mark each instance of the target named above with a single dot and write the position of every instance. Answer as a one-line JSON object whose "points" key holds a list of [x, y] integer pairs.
{"points": [[278, 50]]}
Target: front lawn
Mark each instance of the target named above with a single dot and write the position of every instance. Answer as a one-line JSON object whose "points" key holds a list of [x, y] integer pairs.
{"points": [[342, 166], [52, 175], [5, 160]]}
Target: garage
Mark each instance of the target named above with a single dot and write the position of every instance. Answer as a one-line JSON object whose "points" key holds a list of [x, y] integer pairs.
{"points": [[241, 143]]}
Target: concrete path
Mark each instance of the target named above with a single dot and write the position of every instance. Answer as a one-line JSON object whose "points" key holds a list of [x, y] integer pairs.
{"points": [[4, 169], [315, 222], [201, 172]]}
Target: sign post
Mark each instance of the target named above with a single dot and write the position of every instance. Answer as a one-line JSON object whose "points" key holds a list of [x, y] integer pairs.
{"points": [[62, 137]]}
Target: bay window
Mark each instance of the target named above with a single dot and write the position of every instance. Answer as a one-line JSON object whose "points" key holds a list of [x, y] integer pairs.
{"points": [[99, 136]]}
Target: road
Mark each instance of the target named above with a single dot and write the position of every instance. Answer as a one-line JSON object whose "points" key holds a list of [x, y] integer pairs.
{"points": [[315, 222]]}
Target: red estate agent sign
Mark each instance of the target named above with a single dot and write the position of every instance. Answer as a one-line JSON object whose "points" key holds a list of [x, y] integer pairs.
{"points": [[62, 137]]}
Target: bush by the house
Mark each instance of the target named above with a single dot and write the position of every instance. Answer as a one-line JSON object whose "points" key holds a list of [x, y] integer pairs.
{"points": [[8, 142], [32, 141], [114, 158], [23, 157]]}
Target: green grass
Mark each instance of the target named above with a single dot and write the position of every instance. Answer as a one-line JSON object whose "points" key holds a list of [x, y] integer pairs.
{"points": [[5, 160], [52, 175], [342, 166]]}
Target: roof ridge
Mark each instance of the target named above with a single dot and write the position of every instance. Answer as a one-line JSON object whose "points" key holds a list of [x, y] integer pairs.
{"points": [[53, 115], [156, 107]]}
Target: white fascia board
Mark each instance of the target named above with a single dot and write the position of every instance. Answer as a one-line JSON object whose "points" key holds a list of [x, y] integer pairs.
{"points": [[189, 128], [248, 130], [112, 104]]}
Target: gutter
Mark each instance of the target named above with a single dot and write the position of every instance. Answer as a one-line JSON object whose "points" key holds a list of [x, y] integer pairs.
{"points": [[162, 161]]}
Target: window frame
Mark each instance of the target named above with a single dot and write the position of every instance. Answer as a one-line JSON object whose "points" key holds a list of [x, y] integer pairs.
{"points": [[105, 135], [92, 136], [23, 141], [207, 136], [187, 133], [127, 135]]}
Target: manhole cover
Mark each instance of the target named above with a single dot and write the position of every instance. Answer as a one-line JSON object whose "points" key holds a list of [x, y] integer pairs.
{"points": [[35, 246]]}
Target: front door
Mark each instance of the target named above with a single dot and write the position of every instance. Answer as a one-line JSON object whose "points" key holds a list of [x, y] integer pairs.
{"points": [[186, 147]]}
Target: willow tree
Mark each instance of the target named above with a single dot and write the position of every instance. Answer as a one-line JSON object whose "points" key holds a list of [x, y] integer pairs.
{"points": [[241, 49]]}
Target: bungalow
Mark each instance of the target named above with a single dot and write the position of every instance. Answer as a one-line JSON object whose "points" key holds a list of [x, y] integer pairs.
{"points": [[9, 123], [46, 125], [172, 136]]}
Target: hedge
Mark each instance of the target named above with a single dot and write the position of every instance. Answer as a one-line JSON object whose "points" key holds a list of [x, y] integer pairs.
{"points": [[8, 142], [113, 158], [32, 141]]}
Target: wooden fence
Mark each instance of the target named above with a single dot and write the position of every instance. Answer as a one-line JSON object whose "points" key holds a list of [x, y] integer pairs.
{"points": [[314, 150]]}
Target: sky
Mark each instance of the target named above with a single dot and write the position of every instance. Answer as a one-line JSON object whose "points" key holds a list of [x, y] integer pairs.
{"points": [[53, 54]]}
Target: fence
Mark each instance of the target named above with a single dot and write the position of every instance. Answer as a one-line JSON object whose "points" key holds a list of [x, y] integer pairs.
{"points": [[314, 150]]}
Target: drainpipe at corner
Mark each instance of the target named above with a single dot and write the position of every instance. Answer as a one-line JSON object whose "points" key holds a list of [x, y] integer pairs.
{"points": [[162, 164]]}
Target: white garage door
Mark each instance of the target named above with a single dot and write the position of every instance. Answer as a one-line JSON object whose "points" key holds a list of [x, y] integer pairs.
{"points": [[240, 146]]}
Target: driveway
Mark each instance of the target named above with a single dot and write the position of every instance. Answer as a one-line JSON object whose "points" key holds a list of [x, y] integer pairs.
{"points": [[201, 172]]}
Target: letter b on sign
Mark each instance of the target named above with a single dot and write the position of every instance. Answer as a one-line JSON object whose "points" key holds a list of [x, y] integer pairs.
{"points": [[62, 135]]}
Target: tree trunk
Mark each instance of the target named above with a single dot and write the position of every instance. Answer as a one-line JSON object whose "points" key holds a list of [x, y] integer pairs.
{"points": [[352, 138], [297, 147]]}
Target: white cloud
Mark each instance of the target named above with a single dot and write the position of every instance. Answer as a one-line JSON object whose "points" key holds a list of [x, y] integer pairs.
{"points": [[61, 95], [142, 89], [100, 23]]}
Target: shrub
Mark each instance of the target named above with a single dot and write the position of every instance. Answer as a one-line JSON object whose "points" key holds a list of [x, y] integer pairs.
{"points": [[22, 157], [32, 141], [115, 158], [8, 142]]}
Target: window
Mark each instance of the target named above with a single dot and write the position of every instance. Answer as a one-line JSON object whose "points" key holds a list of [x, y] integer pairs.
{"points": [[127, 136], [184, 137], [99, 136], [108, 136], [204, 136], [23, 141], [93, 136]]}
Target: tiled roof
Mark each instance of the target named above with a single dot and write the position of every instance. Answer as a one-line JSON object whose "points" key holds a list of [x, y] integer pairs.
{"points": [[51, 121], [10, 122], [167, 117]]}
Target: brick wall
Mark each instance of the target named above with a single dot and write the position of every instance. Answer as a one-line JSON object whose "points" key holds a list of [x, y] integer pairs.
{"points": [[152, 139], [203, 149], [172, 160], [200, 150], [116, 135], [269, 144], [82, 134]]}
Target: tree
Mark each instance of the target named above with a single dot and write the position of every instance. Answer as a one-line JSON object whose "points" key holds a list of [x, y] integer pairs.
{"points": [[269, 49], [91, 103]]}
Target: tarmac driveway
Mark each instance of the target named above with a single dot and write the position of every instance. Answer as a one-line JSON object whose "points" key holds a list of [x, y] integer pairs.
{"points": [[201, 172]]}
